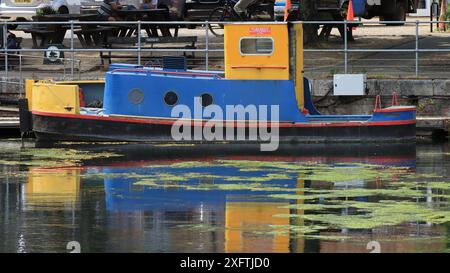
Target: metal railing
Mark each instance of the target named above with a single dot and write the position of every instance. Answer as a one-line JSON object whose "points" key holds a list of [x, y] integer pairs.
{"points": [[138, 49], [346, 48], [20, 82]]}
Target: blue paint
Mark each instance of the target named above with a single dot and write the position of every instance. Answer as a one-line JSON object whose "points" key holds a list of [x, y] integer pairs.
{"points": [[359, 7], [155, 83], [307, 98], [394, 116], [224, 92]]}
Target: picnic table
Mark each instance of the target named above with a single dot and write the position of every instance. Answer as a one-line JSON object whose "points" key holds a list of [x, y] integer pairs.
{"points": [[124, 36], [51, 33], [104, 35], [147, 15]]}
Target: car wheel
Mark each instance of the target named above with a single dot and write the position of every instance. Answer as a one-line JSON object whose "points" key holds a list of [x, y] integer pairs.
{"points": [[63, 10], [399, 16]]}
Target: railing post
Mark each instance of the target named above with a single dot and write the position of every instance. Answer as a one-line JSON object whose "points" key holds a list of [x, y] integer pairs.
{"points": [[79, 69], [417, 48], [21, 76], [5, 48], [72, 51], [345, 47], [206, 45], [139, 42], [64, 69]]}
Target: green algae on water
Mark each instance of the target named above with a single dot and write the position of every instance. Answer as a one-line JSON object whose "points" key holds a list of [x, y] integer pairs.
{"points": [[377, 214]]}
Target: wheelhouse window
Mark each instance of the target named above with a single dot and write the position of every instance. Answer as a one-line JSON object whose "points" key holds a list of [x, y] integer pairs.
{"points": [[256, 46]]}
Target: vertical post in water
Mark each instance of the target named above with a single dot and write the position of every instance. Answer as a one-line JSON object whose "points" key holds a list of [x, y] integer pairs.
{"points": [[206, 45], [345, 47], [417, 48], [72, 51], [139, 42]]}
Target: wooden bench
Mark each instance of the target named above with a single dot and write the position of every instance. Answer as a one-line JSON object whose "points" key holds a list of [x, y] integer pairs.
{"points": [[189, 42], [44, 33], [97, 36], [41, 33]]}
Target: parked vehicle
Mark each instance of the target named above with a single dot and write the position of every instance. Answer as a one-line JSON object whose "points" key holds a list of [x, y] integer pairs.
{"points": [[256, 11], [23, 10], [175, 7], [387, 10], [199, 10]]}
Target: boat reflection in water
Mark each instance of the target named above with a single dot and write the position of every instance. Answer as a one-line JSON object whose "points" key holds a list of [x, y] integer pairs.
{"points": [[59, 186], [202, 204]]}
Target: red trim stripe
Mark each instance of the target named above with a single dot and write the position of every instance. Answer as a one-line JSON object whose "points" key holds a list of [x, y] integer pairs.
{"points": [[227, 124], [259, 67]]}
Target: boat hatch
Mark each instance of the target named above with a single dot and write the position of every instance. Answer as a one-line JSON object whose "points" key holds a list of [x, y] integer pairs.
{"points": [[256, 52]]}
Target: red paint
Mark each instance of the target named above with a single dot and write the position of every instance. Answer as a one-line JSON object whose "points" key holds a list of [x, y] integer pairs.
{"points": [[226, 124], [81, 95], [259, 30], [260, 67]]}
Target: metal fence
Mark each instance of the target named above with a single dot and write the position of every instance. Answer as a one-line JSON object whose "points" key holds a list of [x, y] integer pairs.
{"points": [[341, 53], [416, 52]]}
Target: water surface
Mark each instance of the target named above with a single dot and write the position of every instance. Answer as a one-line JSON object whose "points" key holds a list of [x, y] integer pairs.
{"points": [[132, 198]]}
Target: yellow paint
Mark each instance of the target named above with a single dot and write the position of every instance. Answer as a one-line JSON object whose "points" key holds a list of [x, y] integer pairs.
{"points": [[52, 185], [55, 98], [28, 88], [256, 67], [240, 216], [80, 82], [298, 69]]}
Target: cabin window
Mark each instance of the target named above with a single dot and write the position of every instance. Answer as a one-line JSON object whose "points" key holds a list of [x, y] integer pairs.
{"points": [[256, 46], [206, 100], [171, 98]]}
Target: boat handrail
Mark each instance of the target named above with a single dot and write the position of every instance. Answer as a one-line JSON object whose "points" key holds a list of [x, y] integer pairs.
{"points": [[201, 74]]}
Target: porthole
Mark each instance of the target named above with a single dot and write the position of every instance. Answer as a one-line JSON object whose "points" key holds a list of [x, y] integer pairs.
{"points": [[136, 96], [171, 98], [206, 99]]}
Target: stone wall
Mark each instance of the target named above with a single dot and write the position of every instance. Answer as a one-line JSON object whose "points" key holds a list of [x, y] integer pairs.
{"points": [[431, 97]]}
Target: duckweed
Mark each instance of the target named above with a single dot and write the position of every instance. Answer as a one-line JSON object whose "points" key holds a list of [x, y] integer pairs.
{"points": [[377, 214]]}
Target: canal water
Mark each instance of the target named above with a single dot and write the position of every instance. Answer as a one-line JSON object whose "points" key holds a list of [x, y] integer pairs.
{"points": [[142, 198]]}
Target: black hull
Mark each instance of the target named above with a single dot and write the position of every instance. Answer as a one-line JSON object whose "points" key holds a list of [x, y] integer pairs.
{"points": [[58, 128]]}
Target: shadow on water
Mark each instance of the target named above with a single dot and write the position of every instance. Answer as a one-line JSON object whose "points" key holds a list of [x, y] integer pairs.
{"points": [[165, 198]]}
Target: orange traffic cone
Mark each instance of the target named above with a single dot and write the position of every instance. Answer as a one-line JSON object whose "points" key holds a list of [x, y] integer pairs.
{"points": [[351, 14], [286, 9]]}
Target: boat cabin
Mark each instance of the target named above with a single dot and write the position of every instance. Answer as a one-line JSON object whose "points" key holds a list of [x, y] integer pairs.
{"points": [[263, 60]]}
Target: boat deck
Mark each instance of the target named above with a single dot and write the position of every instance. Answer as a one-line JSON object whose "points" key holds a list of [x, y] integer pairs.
{"points": [[337, 118]]}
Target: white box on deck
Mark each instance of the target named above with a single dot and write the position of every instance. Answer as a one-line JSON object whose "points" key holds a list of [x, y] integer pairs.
{"points": [[349, 84]]}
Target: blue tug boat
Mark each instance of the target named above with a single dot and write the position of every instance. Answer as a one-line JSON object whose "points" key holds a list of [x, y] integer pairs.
{"points": [[262, 96]]}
